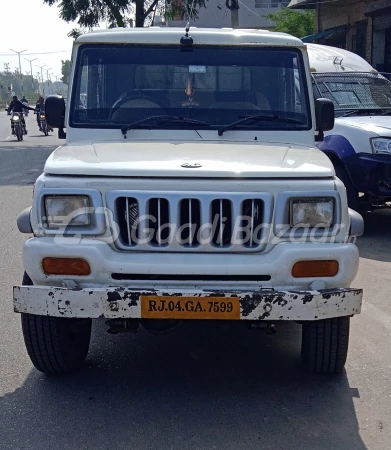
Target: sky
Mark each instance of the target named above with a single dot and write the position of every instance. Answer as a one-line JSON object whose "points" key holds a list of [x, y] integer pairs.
{"points": [[41, 31]]}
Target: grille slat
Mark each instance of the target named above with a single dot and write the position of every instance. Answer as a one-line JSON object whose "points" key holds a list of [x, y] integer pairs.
{"points": [[174, 221], [127, 212], [221, 223]]}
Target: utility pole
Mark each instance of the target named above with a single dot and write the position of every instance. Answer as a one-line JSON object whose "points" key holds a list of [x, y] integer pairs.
{"points": [[7, 67], [47, 78], [43, 84], [20, 66], [38, 75], [233, 6], [31, 70]]}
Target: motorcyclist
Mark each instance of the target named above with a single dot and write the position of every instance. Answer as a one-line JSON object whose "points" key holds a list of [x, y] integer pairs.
{"points": [[40, 107], [25, 102], [16, 106]]}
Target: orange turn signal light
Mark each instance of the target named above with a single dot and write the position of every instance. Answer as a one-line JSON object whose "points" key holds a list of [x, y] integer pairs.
{"points": [[312, 269], [66, 266]]}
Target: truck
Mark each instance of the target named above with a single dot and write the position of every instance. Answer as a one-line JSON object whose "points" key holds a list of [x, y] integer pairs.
{"points": [[189, 188], [359, 145]]}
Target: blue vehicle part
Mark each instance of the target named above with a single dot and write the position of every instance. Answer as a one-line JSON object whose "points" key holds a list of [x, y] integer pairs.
{"points": [[369, 173]]}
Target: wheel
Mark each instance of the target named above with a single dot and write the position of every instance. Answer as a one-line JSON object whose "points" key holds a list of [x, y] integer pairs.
{"points": [[18, 133], [325, 343], [45, 130], [55, 345], [351, 191]]}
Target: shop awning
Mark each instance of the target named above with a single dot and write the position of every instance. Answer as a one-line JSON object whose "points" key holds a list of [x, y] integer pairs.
{"points": [[302, 4], [324, 34]]}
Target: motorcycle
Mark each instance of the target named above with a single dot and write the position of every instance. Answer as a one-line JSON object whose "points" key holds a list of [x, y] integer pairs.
{"points": [[18, 127], [42, 123]]}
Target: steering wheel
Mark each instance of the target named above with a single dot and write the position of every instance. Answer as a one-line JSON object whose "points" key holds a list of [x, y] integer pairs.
{"points": [[133, 97]]}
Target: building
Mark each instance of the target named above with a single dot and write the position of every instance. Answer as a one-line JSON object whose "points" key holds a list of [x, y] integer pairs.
{"points": [[361, 26], [251, 14]]}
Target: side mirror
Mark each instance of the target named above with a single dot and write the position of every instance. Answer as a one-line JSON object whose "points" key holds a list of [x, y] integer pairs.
{"points": [[324, 113], [55, 113]]}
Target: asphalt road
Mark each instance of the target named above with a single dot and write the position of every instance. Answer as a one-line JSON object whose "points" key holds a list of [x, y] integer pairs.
{"points": [[200, 387]]}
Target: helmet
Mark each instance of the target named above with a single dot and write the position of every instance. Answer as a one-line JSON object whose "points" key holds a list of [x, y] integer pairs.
{"points": [[14, 98]]}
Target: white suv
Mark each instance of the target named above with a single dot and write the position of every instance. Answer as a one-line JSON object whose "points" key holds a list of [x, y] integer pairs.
{"points": [[189, 188]]}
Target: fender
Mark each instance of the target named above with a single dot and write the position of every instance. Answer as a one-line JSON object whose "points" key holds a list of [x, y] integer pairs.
{"points": [[341, 151]]}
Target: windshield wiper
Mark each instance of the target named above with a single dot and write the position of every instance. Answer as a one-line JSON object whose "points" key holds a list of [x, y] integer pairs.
{"points": [[256, 118], [375, 111], [158, 120]]}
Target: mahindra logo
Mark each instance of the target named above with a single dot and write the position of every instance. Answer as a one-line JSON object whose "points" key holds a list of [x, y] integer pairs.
{"points": [[191, 165]]}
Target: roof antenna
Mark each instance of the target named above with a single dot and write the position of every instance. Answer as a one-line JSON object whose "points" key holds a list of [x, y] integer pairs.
{"points": [[186, 40]]}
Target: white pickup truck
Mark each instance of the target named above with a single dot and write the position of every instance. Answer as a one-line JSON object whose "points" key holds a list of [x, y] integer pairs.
{"points": [[189, 188]]}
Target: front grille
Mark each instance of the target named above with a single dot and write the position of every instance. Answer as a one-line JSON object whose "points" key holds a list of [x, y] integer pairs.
{"points": [[193, 222]]}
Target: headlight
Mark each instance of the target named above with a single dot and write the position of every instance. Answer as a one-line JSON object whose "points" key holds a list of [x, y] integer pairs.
{"points": [[42, 116], [64, 210], [312, 212], [381, 145], [15, 118]]}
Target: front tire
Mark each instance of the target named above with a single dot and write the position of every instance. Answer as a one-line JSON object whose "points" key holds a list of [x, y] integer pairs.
{"points": [[18, 133], [55, 345], [325, 345]]}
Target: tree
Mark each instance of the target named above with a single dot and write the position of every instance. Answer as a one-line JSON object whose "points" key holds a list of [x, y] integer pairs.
{"points": [[89, 13], [296, 23], [66, 71]]}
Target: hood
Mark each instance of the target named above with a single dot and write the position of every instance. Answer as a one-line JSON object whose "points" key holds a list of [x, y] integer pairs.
{"points": [[166, 159], [376, 124]]}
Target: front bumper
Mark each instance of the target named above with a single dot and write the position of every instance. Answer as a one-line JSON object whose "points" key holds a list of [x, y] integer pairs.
{"points": [[118, 302], [370, 173], [276, 264]]}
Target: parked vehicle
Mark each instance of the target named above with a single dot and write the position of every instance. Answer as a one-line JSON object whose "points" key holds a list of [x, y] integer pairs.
{"points": [[359, 145], [18, 126], [189, 188]]}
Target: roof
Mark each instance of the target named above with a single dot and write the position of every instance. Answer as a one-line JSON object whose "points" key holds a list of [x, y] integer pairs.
{"points": [[324, 34], [302, 4], [201, 36], [326, 59]]}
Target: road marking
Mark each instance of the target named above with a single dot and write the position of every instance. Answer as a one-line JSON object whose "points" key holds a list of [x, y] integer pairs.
{"points": [[8, 138]]}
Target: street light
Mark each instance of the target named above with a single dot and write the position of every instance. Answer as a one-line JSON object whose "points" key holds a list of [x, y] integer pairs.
{"points": [[47, 78], [43, 84], [20, 66], [31, 70]]}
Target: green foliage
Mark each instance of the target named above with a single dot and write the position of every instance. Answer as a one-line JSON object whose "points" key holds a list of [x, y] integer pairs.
{"points": [[65, 70], [30, 85], [296, 23], [116, 13]]}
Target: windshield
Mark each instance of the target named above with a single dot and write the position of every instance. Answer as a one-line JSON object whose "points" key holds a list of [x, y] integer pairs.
{"points": [[354, 90], [117, 86]]}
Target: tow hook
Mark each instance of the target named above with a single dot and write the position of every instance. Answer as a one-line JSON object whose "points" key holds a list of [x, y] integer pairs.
{"points": [[122, 325], [268, 327]]}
